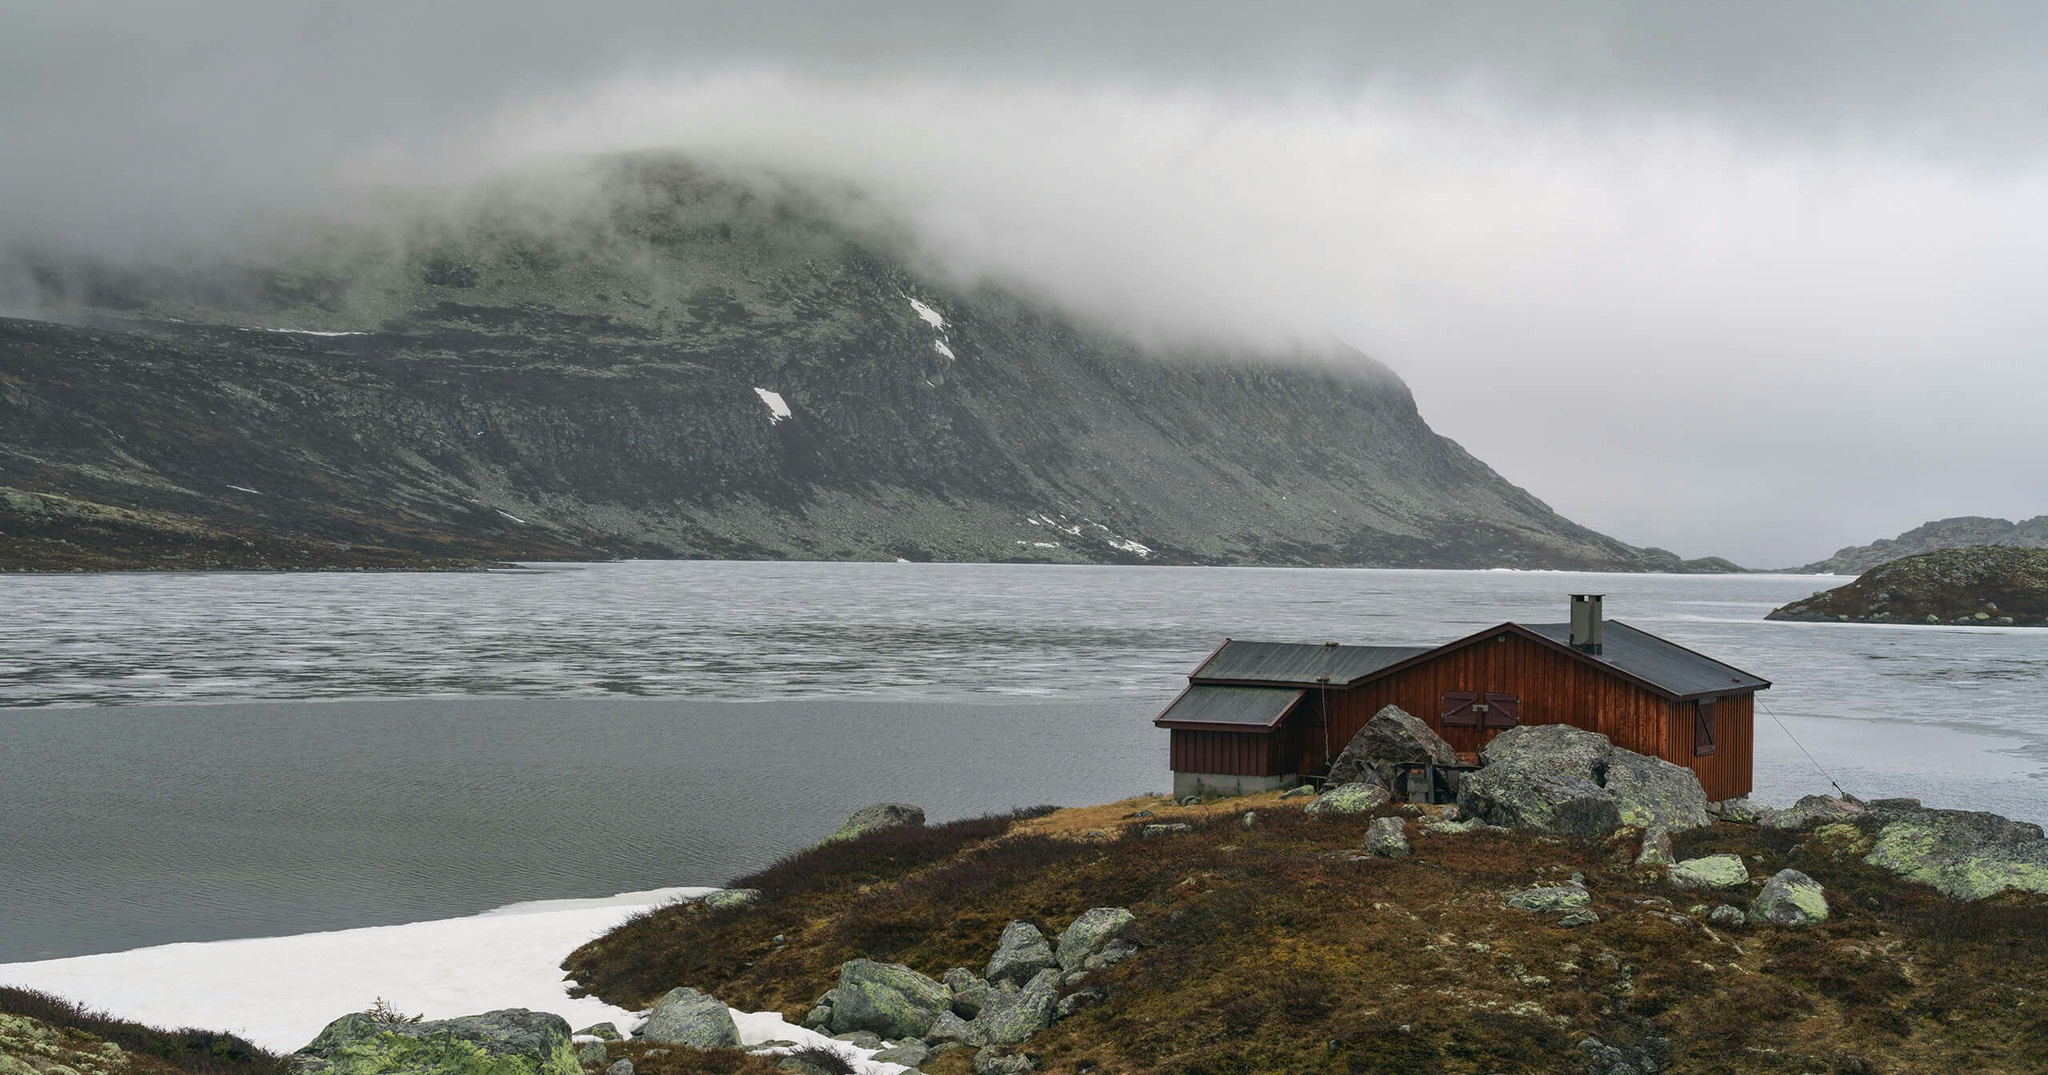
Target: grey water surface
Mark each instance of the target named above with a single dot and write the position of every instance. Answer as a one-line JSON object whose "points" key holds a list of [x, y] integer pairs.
{"points": [[194, 757]]}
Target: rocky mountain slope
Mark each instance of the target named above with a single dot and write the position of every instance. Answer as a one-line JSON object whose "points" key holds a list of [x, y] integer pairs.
{"points": [[1988, 585], [1957, 533], [668, 364]]}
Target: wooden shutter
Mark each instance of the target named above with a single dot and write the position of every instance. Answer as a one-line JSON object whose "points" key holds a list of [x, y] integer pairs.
{"points": [[1460, 709], [1703, 727], [1503, 710]]}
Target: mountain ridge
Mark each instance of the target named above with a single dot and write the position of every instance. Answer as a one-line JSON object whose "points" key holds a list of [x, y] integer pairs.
{"points": [[1962, 531], [698, 368]]}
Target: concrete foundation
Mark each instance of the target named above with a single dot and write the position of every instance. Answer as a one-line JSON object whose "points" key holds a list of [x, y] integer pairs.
{"points": [[1217, 785]]}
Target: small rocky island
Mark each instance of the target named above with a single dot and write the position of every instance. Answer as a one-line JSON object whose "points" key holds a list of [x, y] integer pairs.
{"points": [[1985, 585], [1579, 910]]}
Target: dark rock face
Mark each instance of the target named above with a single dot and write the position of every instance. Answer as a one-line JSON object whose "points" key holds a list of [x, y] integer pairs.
{"points": [[1392, 736], [1958, 533], [513, 1041], [1982, 586], [694, 369]]}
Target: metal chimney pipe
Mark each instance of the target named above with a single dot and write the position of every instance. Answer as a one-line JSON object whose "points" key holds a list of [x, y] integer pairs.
{"points": [[1586, 621]]}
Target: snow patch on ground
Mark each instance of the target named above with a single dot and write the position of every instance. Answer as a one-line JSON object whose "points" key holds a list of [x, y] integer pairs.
{"points": [[777, 409], [280, 991], [940, 347], [931, 316], [1129, 546], [510, 516], [244, 489]]}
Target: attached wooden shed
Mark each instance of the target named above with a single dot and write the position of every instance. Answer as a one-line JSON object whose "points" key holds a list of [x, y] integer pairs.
{"points": [[1262, 715]]}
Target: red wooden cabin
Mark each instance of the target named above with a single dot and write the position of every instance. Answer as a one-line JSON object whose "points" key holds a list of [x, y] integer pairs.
{"points": [[1262, 715]]}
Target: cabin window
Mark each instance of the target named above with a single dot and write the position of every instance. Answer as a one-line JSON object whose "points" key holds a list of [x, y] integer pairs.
{"points": [[1460, 709], [1703, 727], [1500, 710]]}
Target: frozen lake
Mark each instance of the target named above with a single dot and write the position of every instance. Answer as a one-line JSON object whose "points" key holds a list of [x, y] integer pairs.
{"points": [[581, 730]]}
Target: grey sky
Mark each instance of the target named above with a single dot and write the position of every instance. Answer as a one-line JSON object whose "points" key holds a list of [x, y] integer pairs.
{"points": [[1745, 279]]}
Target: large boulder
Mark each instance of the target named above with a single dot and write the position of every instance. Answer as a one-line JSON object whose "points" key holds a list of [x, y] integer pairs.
{"points": [[1790, 898], [1966, 854], [1345, 800], [969, 991], [1558, 748], [1012, 1015], [1811, 809], [1655, 794], [687, 1017], [1710, 871], [1390, 738], [1535, 797], [1021, 952], [875, 818], [887, 998], [1095, 939], [1387, 837], [513, 1041]]}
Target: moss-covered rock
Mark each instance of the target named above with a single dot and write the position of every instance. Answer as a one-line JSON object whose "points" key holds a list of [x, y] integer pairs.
{"points": [[513, 1041], [887, 998], [1346, 800], [688, 1017], [1711, 871]]}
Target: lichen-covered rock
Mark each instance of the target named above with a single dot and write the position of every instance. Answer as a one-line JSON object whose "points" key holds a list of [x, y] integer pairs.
{"points": [[1013, 1015], [1391, 737], [1559, 748], [1388, 838], [1654, 793], [1540, 797], [948, 1027], [969, 991], [888, 998], [1349, 799], [1021, 952], [1790, 898], [621, 1066], [996, 1060], [29, 1046], [1095, 932], [1547, 898], [1966, 854], [1081, 999], [1811, 809], [686, 1017], [1727, 916], [1737, 810], [1656, 850], [732, 899], [1299, 791], [1584, 916], [860, 1039], [512, 1041], [909, 1054], [875, 818], [603, 1031], [1711, 871], [1167, 828]]}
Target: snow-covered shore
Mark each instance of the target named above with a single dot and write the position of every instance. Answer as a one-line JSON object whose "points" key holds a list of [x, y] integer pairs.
{"points": [[280, 991]]}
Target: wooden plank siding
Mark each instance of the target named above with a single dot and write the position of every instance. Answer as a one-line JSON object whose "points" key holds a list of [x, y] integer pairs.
{"points": [[1250, 753], [1554, 688]]}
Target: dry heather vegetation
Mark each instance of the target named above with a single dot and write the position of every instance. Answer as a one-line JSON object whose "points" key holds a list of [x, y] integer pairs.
{"points": [[45, 1033], [1280, 947]]}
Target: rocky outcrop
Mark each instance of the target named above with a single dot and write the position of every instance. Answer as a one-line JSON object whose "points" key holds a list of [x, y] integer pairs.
{"points": [[1387, 837], [1390, 738], [1346, 800], [1958, 533], [888, 999], [687, 1017], [1790, 898], [1096, 939], [513, 1041], [1021, 953], [875, 818], [1564, 780], [1549, 899], [1810, 809], [30, 1046], [1980, 586], [1012, 1014], [1966, 854]]}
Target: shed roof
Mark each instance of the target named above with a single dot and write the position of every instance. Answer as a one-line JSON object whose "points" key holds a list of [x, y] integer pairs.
{"points": [[1299, 663], [1205, 705], [1659, 662]]}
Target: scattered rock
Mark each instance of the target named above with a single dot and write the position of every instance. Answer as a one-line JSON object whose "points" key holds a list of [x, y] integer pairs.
{"points": [[875, 818], [887, 998], [1013, 1015], [1345, 800], [1096, 939], [948, 1027], [995, 1060], [1711, 871], [1299, 791], [1810, 809], [1250, 819], [1167, 828], [820, 1016], [1546, 898], [1021, 952], [686, 1017], [1081, 999], [1656, 850], [861, 1039], [512, 1041], [591, 1054], [1387, 837], [910, 1054], [732, 899], [1391, 737], [1727, 916], [621, 1066], [1965, 854], [1737, 810], [969, 991], [1581, 917], [1790, 898], [605, 1031]]}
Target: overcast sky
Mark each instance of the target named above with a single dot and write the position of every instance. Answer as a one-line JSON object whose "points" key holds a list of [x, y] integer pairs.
{"points": [[1754, 280]]}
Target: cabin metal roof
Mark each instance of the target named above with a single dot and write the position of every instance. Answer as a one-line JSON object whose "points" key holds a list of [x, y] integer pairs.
{"points": [[1299, 664], [1239, 707], [1658, 662]]}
